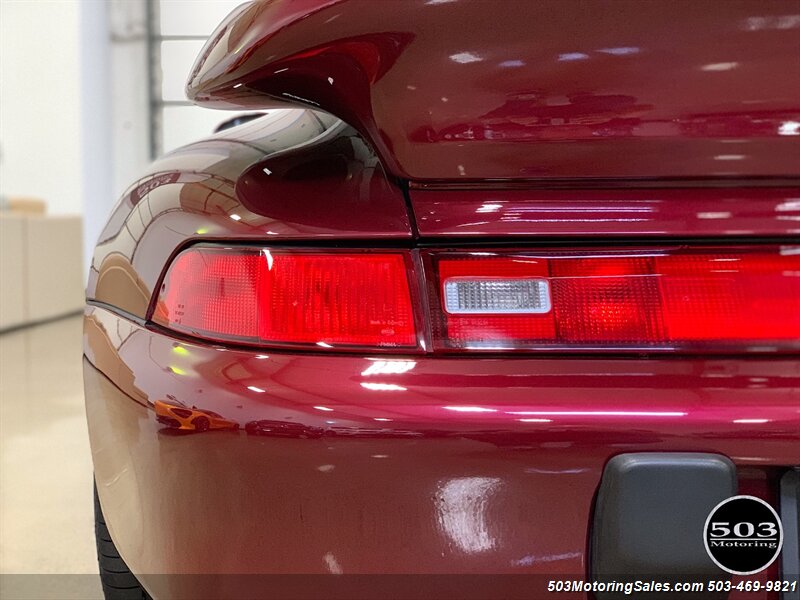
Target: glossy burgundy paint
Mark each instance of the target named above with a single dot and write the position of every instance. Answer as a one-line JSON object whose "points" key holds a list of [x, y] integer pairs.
{"points": [[325, 184], [541, 121], [506, 401], [551, 89], [683, 212], [380, 485], [295, 175]]}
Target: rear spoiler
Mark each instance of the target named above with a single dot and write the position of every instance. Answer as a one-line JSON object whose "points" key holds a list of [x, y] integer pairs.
{"points": [[558, 89]]}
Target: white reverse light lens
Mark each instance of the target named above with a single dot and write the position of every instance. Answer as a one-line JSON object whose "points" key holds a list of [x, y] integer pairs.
{"points": [[474, 296]]}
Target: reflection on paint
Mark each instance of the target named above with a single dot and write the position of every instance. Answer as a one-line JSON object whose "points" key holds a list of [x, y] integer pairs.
{"points": [[461, 507], [599, 413], [383, 387], [789, 128], [527, 561], [388, 367], [333, 565]]}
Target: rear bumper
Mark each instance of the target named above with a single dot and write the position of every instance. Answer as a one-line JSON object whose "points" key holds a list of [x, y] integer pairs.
{"points": [[452, 466]]}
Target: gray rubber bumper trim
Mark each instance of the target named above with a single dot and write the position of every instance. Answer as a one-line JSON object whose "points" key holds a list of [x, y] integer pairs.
{"points": [[790, 518], [650, 515]]}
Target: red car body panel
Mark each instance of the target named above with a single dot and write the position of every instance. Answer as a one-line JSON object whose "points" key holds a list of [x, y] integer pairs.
{"points": [[217, 189], [631, 212], [462, 91], [382, 491], [542, 124]]}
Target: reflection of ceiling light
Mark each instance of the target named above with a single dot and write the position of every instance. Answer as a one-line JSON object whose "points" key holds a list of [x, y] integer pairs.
{"points": [[324, 408], [236, 217], [465, 58], [536, 420], [747, 421], [789, 128], [569, 56], [253, 388], [729, 157], [772, 22], [790, 205], [381, 419], [725, 66], [469, 409], [621, 51], [383, 387], [598, 413], [388, 367]]}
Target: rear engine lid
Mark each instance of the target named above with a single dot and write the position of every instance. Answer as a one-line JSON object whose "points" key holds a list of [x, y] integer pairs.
{"points": [[688, 212], [450, 90]]}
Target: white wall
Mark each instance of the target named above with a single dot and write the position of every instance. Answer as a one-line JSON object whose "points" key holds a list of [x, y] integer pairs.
{"points": [[130, 125], [40, 102], [186, 19], [74, 97], [97, 156], [73, 104]]}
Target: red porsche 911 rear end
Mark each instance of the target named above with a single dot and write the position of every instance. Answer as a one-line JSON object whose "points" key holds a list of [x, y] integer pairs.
{"points": [[505, 303]]}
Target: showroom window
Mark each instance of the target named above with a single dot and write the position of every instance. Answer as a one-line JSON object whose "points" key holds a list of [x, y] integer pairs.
{"points": [[178, 30]]}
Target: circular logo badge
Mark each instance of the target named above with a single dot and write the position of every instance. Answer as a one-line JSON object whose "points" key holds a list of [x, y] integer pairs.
{"points": [[743, 535]]}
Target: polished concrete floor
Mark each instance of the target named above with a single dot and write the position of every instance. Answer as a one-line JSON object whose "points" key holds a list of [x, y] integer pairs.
{"points": [[46, 511]]}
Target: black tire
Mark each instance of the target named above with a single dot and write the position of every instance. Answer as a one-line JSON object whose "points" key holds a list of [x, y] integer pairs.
{"points": [[201, 424], [118, 581]]}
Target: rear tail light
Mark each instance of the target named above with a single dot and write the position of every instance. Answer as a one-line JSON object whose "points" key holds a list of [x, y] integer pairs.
{"points": [[701, 299], [650, 299], [259, 296]]}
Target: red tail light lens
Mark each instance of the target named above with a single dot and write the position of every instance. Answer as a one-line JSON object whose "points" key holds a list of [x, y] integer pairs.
{"points": [[671, 299], [260, 296]]}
